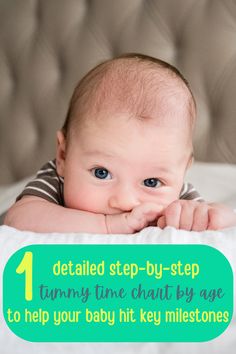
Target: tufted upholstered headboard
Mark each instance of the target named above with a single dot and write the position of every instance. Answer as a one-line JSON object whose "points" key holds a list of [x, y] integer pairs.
{"points": [[47, 45]]}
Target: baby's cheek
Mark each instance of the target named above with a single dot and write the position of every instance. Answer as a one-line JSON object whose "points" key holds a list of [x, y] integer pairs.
{"points": [[89, 202], [82, 199], [167, 196]]}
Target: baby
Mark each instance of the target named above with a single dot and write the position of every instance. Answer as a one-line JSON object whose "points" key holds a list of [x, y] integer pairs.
{"points": [[121, 157]]}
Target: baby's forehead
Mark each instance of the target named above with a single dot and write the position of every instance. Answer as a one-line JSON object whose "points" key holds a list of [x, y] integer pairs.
{"points": [[121, 123], [126, 137]]}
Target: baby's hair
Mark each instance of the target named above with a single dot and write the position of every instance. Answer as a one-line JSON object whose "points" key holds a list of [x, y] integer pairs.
{"points": [[127, 82]]}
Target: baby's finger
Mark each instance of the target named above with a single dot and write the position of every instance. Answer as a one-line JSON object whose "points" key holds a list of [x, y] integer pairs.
{"points": [[200, 218], [143, 214], [172, 214], [216, 220], [148, 210], [161, 222], [186, 216]]}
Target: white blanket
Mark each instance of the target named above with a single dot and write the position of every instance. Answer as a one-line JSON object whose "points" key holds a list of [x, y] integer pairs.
{"points": [[225, 241]]}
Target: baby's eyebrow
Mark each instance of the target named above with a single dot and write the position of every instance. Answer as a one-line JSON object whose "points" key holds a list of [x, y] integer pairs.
{"points": [[161, 168], [161, 171], [98, 152]]}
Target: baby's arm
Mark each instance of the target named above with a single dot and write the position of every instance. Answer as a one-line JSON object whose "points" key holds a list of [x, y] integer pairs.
{"points": [[36, 214], [195, 216]]}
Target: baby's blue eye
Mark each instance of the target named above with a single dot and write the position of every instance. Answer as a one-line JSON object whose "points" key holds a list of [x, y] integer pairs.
{"points": [[101, 173], [152, 182]]}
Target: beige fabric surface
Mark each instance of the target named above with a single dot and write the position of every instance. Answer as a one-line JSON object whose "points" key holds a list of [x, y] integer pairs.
{"points": [[46, 46]]}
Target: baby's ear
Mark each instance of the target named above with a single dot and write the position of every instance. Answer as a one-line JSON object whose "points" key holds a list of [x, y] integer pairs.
{"points": [[61, 153], [190, 161]]}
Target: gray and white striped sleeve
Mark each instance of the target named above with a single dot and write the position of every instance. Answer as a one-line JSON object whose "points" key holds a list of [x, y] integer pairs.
{"points": [[188, 192], [47, 185]]}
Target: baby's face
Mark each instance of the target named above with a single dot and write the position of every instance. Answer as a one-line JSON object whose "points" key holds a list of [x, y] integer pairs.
{"points": [[117, 162]]}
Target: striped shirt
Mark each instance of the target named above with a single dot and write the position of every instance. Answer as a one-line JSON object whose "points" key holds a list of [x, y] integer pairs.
{"points": [[49, 185]]}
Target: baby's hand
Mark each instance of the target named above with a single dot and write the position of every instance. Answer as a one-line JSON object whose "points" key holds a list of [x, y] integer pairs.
{"points": [[192, 215], [143, 215], [135, 220]]}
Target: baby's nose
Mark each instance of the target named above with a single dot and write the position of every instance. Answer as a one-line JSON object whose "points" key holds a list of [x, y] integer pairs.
{"points": [[123, 199]]}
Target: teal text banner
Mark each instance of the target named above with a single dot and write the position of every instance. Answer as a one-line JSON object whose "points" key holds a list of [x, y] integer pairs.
{"points": [[118, 293]]}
